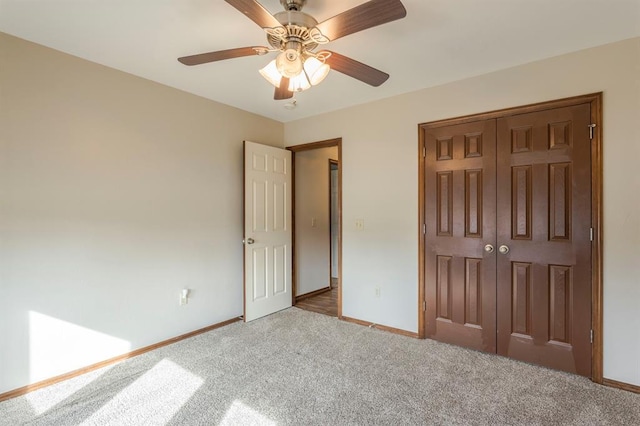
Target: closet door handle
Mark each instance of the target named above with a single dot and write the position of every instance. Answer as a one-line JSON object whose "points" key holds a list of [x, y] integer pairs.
{"points": [[503, 249], [488, 248]]}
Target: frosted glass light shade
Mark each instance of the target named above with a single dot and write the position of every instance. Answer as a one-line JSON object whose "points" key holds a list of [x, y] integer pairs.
{"points": [[299, 83], [271, 74], [316, 70]]}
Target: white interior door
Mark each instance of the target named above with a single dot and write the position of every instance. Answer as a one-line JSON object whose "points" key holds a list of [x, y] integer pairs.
{"points": [[267, 230]]}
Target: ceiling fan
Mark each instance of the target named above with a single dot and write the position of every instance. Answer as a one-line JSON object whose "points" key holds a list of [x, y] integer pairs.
{"points": [[296, 35]]}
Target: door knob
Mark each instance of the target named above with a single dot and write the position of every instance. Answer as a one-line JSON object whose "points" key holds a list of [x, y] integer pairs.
{"points": [[503, 249], [488, 248], [249, 241]]}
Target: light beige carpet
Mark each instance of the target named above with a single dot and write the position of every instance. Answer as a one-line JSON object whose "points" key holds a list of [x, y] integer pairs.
{"points": [[301, 368]]}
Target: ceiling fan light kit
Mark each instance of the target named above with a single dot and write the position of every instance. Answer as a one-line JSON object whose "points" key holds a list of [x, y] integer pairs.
{"points": [[296, 35], [311, 73], [289, 62]]}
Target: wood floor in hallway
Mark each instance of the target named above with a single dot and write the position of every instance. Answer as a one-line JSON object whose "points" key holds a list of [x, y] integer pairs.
{"points": [[325, 303]]}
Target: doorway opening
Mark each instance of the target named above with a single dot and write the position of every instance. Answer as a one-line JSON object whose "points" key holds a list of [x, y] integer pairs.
{"points": [[334, 221], [317, 224]]}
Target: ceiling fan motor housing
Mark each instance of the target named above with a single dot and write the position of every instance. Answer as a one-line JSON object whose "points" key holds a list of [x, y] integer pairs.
{"points": [[297, 25], [293, 4]]}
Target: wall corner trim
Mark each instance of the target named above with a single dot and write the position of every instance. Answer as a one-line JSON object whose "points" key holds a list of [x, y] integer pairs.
{"points": [[381, 327]]}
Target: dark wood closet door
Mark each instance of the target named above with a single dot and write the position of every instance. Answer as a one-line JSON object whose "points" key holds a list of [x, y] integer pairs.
{"points": [[544, 218], [460, 220]]}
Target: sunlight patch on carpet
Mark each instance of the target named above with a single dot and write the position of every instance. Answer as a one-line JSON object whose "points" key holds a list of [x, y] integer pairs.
{"points": [[44, 399], [156, 396], [240, 414]]}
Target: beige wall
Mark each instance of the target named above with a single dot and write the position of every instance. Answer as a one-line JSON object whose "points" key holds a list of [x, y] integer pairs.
{"points": [[380, 184], [115, 193], [312, 219]]}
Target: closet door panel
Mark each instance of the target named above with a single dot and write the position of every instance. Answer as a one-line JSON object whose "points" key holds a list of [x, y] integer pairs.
{"points": [[544, 218], [460, 220]]}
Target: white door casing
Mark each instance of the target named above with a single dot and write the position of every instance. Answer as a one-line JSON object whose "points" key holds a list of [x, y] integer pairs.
{"points": [[267, 230]]}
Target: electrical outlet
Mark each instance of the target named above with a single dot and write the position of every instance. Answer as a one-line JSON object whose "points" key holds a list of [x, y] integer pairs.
{"points": [[184, 296], [377, 291], [359, 224]]}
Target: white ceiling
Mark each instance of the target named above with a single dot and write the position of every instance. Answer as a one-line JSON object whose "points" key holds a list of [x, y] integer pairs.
{"points": [[439, 41]]}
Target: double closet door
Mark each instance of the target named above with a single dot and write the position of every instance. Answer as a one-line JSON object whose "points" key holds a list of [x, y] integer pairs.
{"points": [[507, 242]]}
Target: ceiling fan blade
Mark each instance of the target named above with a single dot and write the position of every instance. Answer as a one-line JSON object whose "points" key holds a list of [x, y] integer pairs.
{"points": [[256, 12], [283, 92], [220, 55], [367, 15], [356, 69]]}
